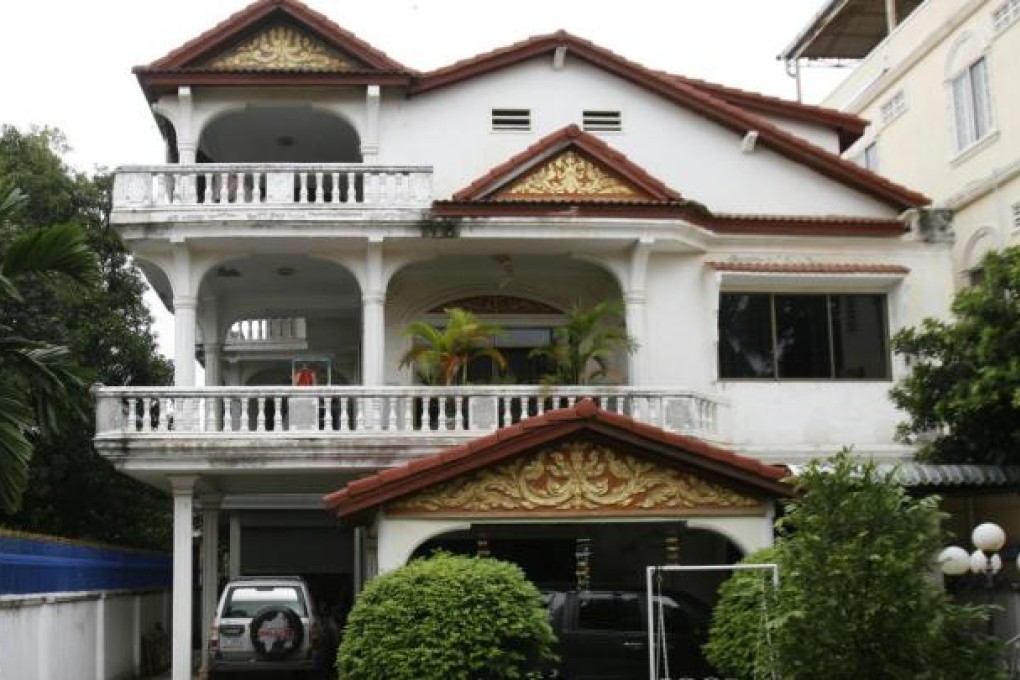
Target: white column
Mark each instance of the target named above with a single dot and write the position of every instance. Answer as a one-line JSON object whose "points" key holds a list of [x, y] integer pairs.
{"points": [[370, 140], [186, 145], [212, 363], [373, 299], [180, 657], [635, 317], [210, 564], [634, 301], [235, 544], [184, 341], [101, 636]]}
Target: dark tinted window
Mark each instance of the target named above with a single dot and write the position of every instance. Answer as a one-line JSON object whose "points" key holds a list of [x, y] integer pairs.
{"points": [[803, 336], [745, 336], [608, 611]]}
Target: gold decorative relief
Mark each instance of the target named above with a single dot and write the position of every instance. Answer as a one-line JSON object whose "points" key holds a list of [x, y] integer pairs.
{"points": [[576, 478], [569, 174], [280, 48]]}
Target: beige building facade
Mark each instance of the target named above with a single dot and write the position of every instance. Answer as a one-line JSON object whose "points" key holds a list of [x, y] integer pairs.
{"points": [[938, 82]]}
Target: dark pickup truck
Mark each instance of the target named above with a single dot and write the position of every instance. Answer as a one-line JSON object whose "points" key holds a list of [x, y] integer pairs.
{"points": [[603, 634]]}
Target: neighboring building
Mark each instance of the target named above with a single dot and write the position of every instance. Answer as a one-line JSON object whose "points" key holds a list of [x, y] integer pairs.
{"points": [[937, 80], [319, 197]]}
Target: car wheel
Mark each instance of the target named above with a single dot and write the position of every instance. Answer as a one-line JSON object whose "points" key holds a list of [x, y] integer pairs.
{"points": [[276, 633]]}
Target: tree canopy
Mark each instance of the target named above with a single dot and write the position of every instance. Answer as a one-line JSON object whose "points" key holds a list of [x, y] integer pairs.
{"points": [[106, 330], [855, 598], [962, 395]]}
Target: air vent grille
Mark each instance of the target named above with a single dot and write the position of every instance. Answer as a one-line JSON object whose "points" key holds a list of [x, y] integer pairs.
{"points": [[602, 121], [516, 120]]}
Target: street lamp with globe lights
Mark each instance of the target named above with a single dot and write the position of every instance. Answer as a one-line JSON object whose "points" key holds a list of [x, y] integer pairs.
{"points": [[988, 539]]}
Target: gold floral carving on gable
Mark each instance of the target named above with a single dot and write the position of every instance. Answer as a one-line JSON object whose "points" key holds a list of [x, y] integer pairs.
{"points": [[570, 174], [577, 478], [280, 48]]}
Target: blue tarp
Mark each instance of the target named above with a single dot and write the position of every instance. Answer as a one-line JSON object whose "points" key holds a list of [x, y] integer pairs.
{"points": [[40, 565]]}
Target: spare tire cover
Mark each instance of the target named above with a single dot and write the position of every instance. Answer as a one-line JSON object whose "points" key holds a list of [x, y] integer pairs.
{"points": [[276, 632]]}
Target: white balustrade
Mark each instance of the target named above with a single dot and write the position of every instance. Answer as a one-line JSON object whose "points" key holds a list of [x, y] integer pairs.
{"points": [[220, 185], [267, 331], [354, 410]]}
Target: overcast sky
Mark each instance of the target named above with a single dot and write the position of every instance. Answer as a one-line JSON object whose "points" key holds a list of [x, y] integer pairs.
{"points": [[67, 63]]}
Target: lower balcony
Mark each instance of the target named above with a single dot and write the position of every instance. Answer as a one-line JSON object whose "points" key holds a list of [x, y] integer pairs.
{"points": [[393, 413]]}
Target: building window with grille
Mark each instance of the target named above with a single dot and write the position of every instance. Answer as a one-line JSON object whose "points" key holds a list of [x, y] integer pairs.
{"points": [[803, 336], [972, 107]]}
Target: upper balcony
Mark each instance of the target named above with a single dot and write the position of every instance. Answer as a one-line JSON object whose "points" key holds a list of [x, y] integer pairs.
{"points": [[218, 192], [353, 427]]}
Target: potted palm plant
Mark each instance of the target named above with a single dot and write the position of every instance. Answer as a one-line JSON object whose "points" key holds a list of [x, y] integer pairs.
{"points": [[441, 355], [583, 346]]}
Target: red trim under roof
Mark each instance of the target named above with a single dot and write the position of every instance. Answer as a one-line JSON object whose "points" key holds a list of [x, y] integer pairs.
{"points": [[547, 147], [696, 98], [585, 417]]}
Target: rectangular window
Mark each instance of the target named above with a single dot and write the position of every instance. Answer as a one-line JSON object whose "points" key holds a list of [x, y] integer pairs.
{"points": [[602, 121], [808, 337], [894, 107], [513, 120], [971, 105]]}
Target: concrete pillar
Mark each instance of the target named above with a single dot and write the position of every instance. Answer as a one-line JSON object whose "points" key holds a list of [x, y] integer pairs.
{"points": [[635, 318], [373, 300], [235, 544], [182, 488], [212, 363], [370, 139], [184, 341], [210, 565]]}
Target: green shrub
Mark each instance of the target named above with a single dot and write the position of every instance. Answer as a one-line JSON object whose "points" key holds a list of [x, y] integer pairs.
{"points": [[448, 617], [739, 644]]}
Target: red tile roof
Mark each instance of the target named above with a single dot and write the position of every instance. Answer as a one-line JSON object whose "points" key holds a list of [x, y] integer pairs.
{"points": [[810, 267], [569, 137], [527, 435], [696, 97]]}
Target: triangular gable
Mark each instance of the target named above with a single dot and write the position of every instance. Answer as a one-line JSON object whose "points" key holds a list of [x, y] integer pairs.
{"points": [[576, 477], [281, 47], [569, 166], [725, 109], [575, 461], [272, 42]]}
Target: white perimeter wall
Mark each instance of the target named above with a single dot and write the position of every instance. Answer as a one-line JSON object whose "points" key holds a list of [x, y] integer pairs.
{"points": [[77, 636]]}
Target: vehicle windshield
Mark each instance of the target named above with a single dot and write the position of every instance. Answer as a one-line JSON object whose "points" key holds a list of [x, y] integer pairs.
{"points": [[248, 600]]}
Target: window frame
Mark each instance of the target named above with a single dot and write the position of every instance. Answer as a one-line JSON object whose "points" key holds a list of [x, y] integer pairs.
{"points": [[884, 321], [968, 99]]}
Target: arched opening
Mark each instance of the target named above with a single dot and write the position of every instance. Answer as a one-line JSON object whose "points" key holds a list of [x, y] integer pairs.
{"points": [[279, 134], [275, 311]]}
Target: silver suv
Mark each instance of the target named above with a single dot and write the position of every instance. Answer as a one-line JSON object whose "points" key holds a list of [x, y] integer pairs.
{"points": [[267, 623]]}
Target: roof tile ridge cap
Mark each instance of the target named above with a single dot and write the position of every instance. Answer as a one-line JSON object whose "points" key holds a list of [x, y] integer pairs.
{"points": [[368, 47], [762, 124], [253, 9], [488, 54], [739, 91]]}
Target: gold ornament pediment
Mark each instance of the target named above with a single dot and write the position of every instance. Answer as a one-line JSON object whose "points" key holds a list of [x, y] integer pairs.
{"points": [[279, 48], [570, 174], [576, 479]]}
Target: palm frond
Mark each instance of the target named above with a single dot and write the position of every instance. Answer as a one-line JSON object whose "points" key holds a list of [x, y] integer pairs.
{"points": [[58, 249]]}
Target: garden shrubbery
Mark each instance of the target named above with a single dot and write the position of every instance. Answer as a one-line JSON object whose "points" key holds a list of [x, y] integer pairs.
{"points": [[450, 617]]}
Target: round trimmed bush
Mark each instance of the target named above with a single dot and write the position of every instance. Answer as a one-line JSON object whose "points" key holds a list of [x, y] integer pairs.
{"points": [[445, 617]]}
